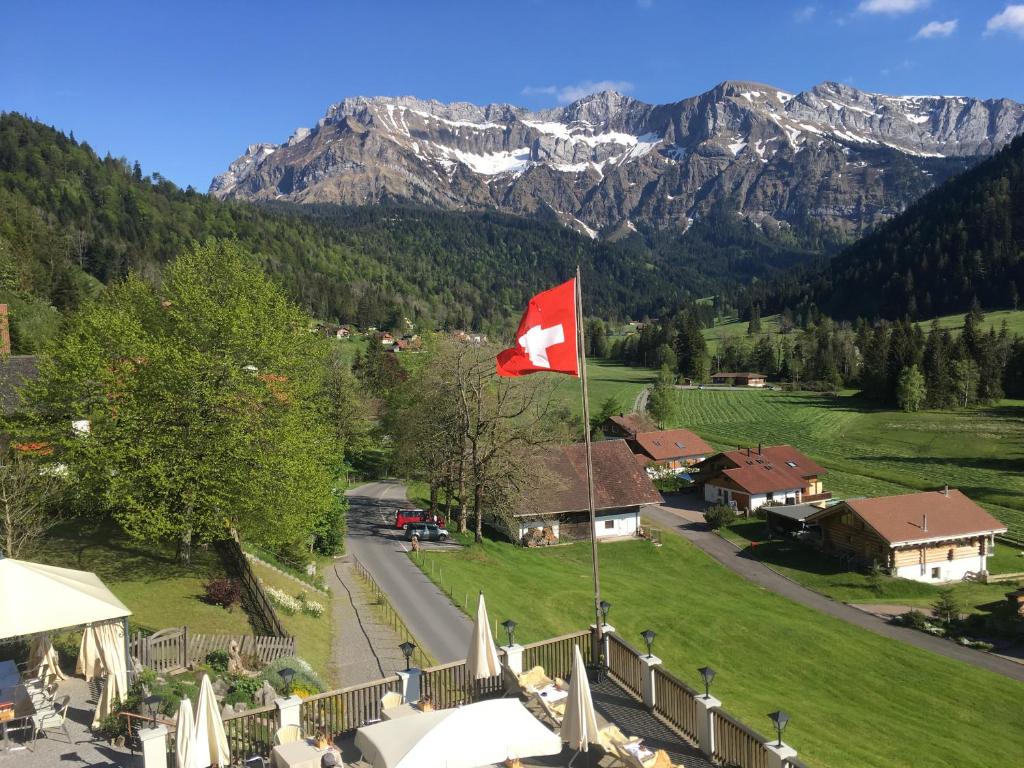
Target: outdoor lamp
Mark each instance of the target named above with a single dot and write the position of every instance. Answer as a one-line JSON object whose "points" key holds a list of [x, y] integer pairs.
{"points": [[780, 719], [648, 636], [153, 704], [510, 629], [287, 675], [605, 606], [407, 649], [707, 674]]}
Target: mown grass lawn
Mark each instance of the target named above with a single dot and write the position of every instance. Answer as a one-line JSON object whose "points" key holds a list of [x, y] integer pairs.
{"points": [[826, 575], [605, 378], [855, 699], [875, 452], [313, 635], [159, 591]]}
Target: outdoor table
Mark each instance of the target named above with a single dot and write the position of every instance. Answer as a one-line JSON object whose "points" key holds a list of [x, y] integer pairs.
{"points": [[12, 690], [552, 694], [403, 710], [299, 754]]}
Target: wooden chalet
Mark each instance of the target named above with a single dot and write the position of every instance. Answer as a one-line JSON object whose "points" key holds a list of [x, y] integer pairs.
{"points": [[669, 449], [749, 478], [745, 379]]}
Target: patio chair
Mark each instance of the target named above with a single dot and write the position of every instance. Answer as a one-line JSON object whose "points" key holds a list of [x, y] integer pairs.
{"points": [[287, 734], [528, 683], [52, 719], [390, 700], [551, 711], [256, 761], [630, 759]]}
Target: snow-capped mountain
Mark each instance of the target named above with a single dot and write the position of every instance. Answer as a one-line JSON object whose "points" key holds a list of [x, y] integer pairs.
{"points": [[833, 154]]}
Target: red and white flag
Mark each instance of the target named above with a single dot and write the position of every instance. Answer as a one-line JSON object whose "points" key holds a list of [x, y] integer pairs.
{"points": [[546, 339]]}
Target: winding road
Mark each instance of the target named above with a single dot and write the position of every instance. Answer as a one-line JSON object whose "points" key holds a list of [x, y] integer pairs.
{"points": [[442, 629]]}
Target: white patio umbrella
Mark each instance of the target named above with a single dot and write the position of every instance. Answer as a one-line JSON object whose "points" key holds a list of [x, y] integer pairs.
{"points": [[109, 637], [579, 725], [482, 659], [211, 741], [484, 733], [185, 737], [43, 652]]}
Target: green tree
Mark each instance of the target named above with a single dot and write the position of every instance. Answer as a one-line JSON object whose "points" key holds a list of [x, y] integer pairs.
{"points": [[661, 403], [610, 406], [946, 606], [204, 399], [719, 515], [28, 504], [910, 391], [965, 378], [754, 325]]}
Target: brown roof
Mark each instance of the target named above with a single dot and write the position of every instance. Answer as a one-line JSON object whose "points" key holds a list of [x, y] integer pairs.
{"points": [[671, 444], [746, 375], [763, 477], [630, 422], [901, 519], [15, 371], [781, 456], [619, 481]]}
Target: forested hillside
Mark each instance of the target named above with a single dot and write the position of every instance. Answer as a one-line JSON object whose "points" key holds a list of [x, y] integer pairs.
{"points": [[962, 243]]}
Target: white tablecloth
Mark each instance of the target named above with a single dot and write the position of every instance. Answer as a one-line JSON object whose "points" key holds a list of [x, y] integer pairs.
{"points": [[298, 754]]}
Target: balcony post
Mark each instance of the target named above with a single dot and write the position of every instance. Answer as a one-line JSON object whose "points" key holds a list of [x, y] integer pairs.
{"points": [[779, 756], [154, 746], [647, 683], [513, 658], [411, 680], [706, 705], [606, 630]]}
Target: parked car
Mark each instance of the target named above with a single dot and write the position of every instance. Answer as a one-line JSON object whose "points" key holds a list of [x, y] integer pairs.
{"points": [[404, 517], [426, 532]]}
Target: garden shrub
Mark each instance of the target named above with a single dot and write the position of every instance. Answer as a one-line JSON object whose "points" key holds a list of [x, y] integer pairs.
{"points": [[719, 515], [914, 619], [223, 591], [218, 661], [305, 681]]}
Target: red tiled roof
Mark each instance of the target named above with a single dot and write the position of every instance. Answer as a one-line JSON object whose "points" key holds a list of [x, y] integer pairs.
{"points": [[782, 456], [900, 519], [619, 481], [762, 477], [671, 444]]}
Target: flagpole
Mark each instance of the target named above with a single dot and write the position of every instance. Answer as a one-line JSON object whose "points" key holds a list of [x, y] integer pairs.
{"points": [[598, 621]]}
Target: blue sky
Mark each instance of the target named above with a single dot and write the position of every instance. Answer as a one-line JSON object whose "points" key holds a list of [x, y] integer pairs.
{"points": [[183, 87]]}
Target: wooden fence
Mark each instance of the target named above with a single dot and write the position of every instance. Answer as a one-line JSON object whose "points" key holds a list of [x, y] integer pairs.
{"points": [[175, 649], [262, 614], [344, 710], [392, 617], [736, 743], [251, 732], [676, 702], [450, 685], [556, 654], [624, 664]]}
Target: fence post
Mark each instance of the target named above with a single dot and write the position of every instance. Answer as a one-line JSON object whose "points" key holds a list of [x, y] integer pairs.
{"points": [[513, 658], [602, 649], [705, 728], [779, 755], [154, 746], [288, 710], [411, 684], [647, 684]]}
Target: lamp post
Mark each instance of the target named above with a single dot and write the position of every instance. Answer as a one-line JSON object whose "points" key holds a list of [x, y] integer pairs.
{"points": [[605, 606], [648, 636], [780, 719], [153, 704], [707, 674], [287, 675], [407, 649], [510, 630]]}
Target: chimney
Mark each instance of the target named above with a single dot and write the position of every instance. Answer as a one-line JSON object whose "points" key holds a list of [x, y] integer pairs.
{"points": [[946, 490], [5, 331], [758, 449], [924, 522]]}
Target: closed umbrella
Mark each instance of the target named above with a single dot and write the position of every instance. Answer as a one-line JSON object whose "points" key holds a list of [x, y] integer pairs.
{"points": [[211, 741], [43, 652], [185, 737], [109, 637], [579, 725], [482, 659]]}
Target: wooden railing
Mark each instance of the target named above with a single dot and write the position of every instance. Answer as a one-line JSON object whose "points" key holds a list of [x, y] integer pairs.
{"points": [[449, 685], [676, 702], [261, 611], [252, 732], [556, 653], [794, 763], [345, 710], [624, 664], [392, 617], [736, 743], [176, 648]]}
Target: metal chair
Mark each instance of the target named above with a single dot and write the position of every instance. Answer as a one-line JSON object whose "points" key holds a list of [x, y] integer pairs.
{"points": [[256, 761], [52, 719]]}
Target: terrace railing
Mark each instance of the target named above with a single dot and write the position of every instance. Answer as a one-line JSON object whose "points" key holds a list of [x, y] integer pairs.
{"points": [[736, 743], [252, 732], [556, 653], [624, 664], [346, 709], [676, 702]]}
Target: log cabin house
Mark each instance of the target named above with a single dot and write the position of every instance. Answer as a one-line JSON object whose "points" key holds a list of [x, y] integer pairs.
{"points": [[741, 379], [935, 536], [749, 478]]}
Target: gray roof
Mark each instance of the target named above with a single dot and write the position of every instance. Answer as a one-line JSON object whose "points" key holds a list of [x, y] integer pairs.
{"points": [[15, 370], [797, 512]]}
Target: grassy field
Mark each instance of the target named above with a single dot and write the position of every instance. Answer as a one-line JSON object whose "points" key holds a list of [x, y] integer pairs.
{"points": [[855, 699], [825, 574], [873, 452], [312, 634], [606, 378], [158, 590]]}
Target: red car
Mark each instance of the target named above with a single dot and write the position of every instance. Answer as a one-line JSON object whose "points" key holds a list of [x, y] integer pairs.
{"points": [[405, 516]]}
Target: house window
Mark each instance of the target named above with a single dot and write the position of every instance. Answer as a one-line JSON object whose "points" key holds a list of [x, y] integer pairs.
{"points": [[609, 524], [771, 496], [936, 573]]}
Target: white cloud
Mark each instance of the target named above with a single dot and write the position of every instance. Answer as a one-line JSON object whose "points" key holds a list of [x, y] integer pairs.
{"points": [[804, 14], [892, 7], [570, 93], [937, 29], [1010, 20]]}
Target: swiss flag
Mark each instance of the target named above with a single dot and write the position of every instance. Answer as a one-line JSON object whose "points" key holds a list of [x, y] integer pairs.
{"points": [[546, 339]]}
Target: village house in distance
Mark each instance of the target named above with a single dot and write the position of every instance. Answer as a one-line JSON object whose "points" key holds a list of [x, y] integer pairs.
{"points": [[557, 511], [658, 451], [934, 536], [749, 478]]}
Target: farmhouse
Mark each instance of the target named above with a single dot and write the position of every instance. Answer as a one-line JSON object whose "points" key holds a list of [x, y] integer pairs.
{"points": [[669, 449], [626, 425], [557, 508], [739, 379], [933, 536], [747, 478]]}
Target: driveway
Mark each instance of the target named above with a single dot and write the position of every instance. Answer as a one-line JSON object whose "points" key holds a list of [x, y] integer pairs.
{"points": [[684, 519], [442, 628]]}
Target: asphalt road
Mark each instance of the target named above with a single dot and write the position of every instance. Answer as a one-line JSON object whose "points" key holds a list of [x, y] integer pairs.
{"points": [[689, 524], [441, 628]]}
